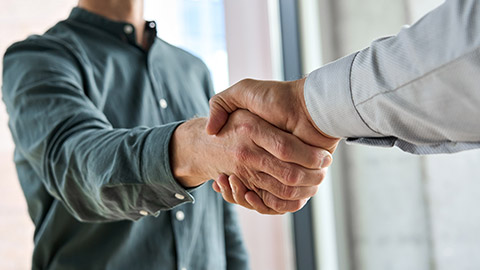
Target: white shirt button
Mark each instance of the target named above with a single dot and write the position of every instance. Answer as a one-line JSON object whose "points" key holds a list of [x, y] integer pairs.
{"points": [[163, 103], [180, 215], [143, 213], [179, 196], [151, 24], [128, 29]]}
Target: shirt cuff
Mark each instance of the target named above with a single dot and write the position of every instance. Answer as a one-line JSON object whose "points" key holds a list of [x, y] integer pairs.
{"points": [[330, 102], [157, 171]]}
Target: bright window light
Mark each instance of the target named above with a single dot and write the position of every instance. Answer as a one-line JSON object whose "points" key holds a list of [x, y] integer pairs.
{"points": [[196, 26]]}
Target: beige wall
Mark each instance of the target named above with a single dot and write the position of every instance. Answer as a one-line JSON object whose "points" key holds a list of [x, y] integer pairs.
{"points": [[18, 19]]}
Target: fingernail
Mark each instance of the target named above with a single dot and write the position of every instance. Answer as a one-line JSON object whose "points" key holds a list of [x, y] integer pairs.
{"points": [[326, 161]]}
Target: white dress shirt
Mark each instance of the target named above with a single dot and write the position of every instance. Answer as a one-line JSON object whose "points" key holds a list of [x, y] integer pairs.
{"points": [[418, 90]]}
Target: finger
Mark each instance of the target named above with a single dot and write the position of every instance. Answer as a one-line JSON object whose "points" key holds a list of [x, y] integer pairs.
{"points": [[221, 105], [287, 173], [280, 205], [272, 185], [256, 202], [215, 187], [288, 147], [218, 115], [225, 189], [238, 191]]}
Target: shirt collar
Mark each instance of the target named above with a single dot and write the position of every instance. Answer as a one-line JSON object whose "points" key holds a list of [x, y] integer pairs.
{"points": [[123, 30]]}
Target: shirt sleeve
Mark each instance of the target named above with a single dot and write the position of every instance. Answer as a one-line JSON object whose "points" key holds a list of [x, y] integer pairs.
{"points": [[417, 90], [98, 172], [237, 257]]}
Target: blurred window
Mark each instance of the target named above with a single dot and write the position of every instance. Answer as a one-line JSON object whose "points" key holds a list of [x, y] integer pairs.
{"points": [[196, 26]]}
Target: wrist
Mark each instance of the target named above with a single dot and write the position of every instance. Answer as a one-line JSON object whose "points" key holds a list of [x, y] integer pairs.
{"points": [[300, 90], [187, 163]]}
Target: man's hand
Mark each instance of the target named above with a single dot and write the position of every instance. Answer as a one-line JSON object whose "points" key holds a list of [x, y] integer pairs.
{"points": [[261, 157], [283, 105], [233, 191], [280, 103]]}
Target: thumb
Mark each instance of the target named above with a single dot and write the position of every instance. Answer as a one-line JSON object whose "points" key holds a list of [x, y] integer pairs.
{"points": [[218, 115], [221, 105]]}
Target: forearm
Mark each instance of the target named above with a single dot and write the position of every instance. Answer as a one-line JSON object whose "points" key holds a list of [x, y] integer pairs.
{"points": [[189, 162], [417, 87], [110, 174]]}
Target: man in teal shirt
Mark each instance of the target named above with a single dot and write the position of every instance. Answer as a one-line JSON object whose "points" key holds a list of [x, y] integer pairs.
{"points": [[109, 167]]}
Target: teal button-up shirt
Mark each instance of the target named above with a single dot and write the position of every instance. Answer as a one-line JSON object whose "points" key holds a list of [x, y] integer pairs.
{"points": [[91, 114]]}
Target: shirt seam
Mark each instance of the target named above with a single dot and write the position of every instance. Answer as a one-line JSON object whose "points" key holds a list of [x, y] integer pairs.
{"points": [[421, 77]]}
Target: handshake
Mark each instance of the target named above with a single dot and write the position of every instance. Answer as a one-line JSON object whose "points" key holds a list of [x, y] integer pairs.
{"points": [[266, 153]]}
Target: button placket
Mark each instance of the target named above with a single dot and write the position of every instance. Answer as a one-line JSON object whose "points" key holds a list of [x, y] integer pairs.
{"points": [[158, 91]]}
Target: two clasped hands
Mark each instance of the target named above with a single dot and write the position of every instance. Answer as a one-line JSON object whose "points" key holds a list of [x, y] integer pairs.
{"points": [[266, 153]]}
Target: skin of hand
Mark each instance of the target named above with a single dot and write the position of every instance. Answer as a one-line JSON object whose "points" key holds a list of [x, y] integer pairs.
{"points": [[280, 103], [261, 156], [233, 191]]}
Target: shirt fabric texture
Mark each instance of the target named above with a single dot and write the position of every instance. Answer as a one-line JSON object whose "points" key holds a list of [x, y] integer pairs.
{"points": [[92, 114], [418, 90]]}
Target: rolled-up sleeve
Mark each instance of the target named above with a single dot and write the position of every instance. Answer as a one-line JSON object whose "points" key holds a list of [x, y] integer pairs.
{"points": [[417, 90], [98, 172]]}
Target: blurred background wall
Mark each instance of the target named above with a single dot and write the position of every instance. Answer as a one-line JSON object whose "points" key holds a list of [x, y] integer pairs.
{"points": [[394, 210], [379, 209]]}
